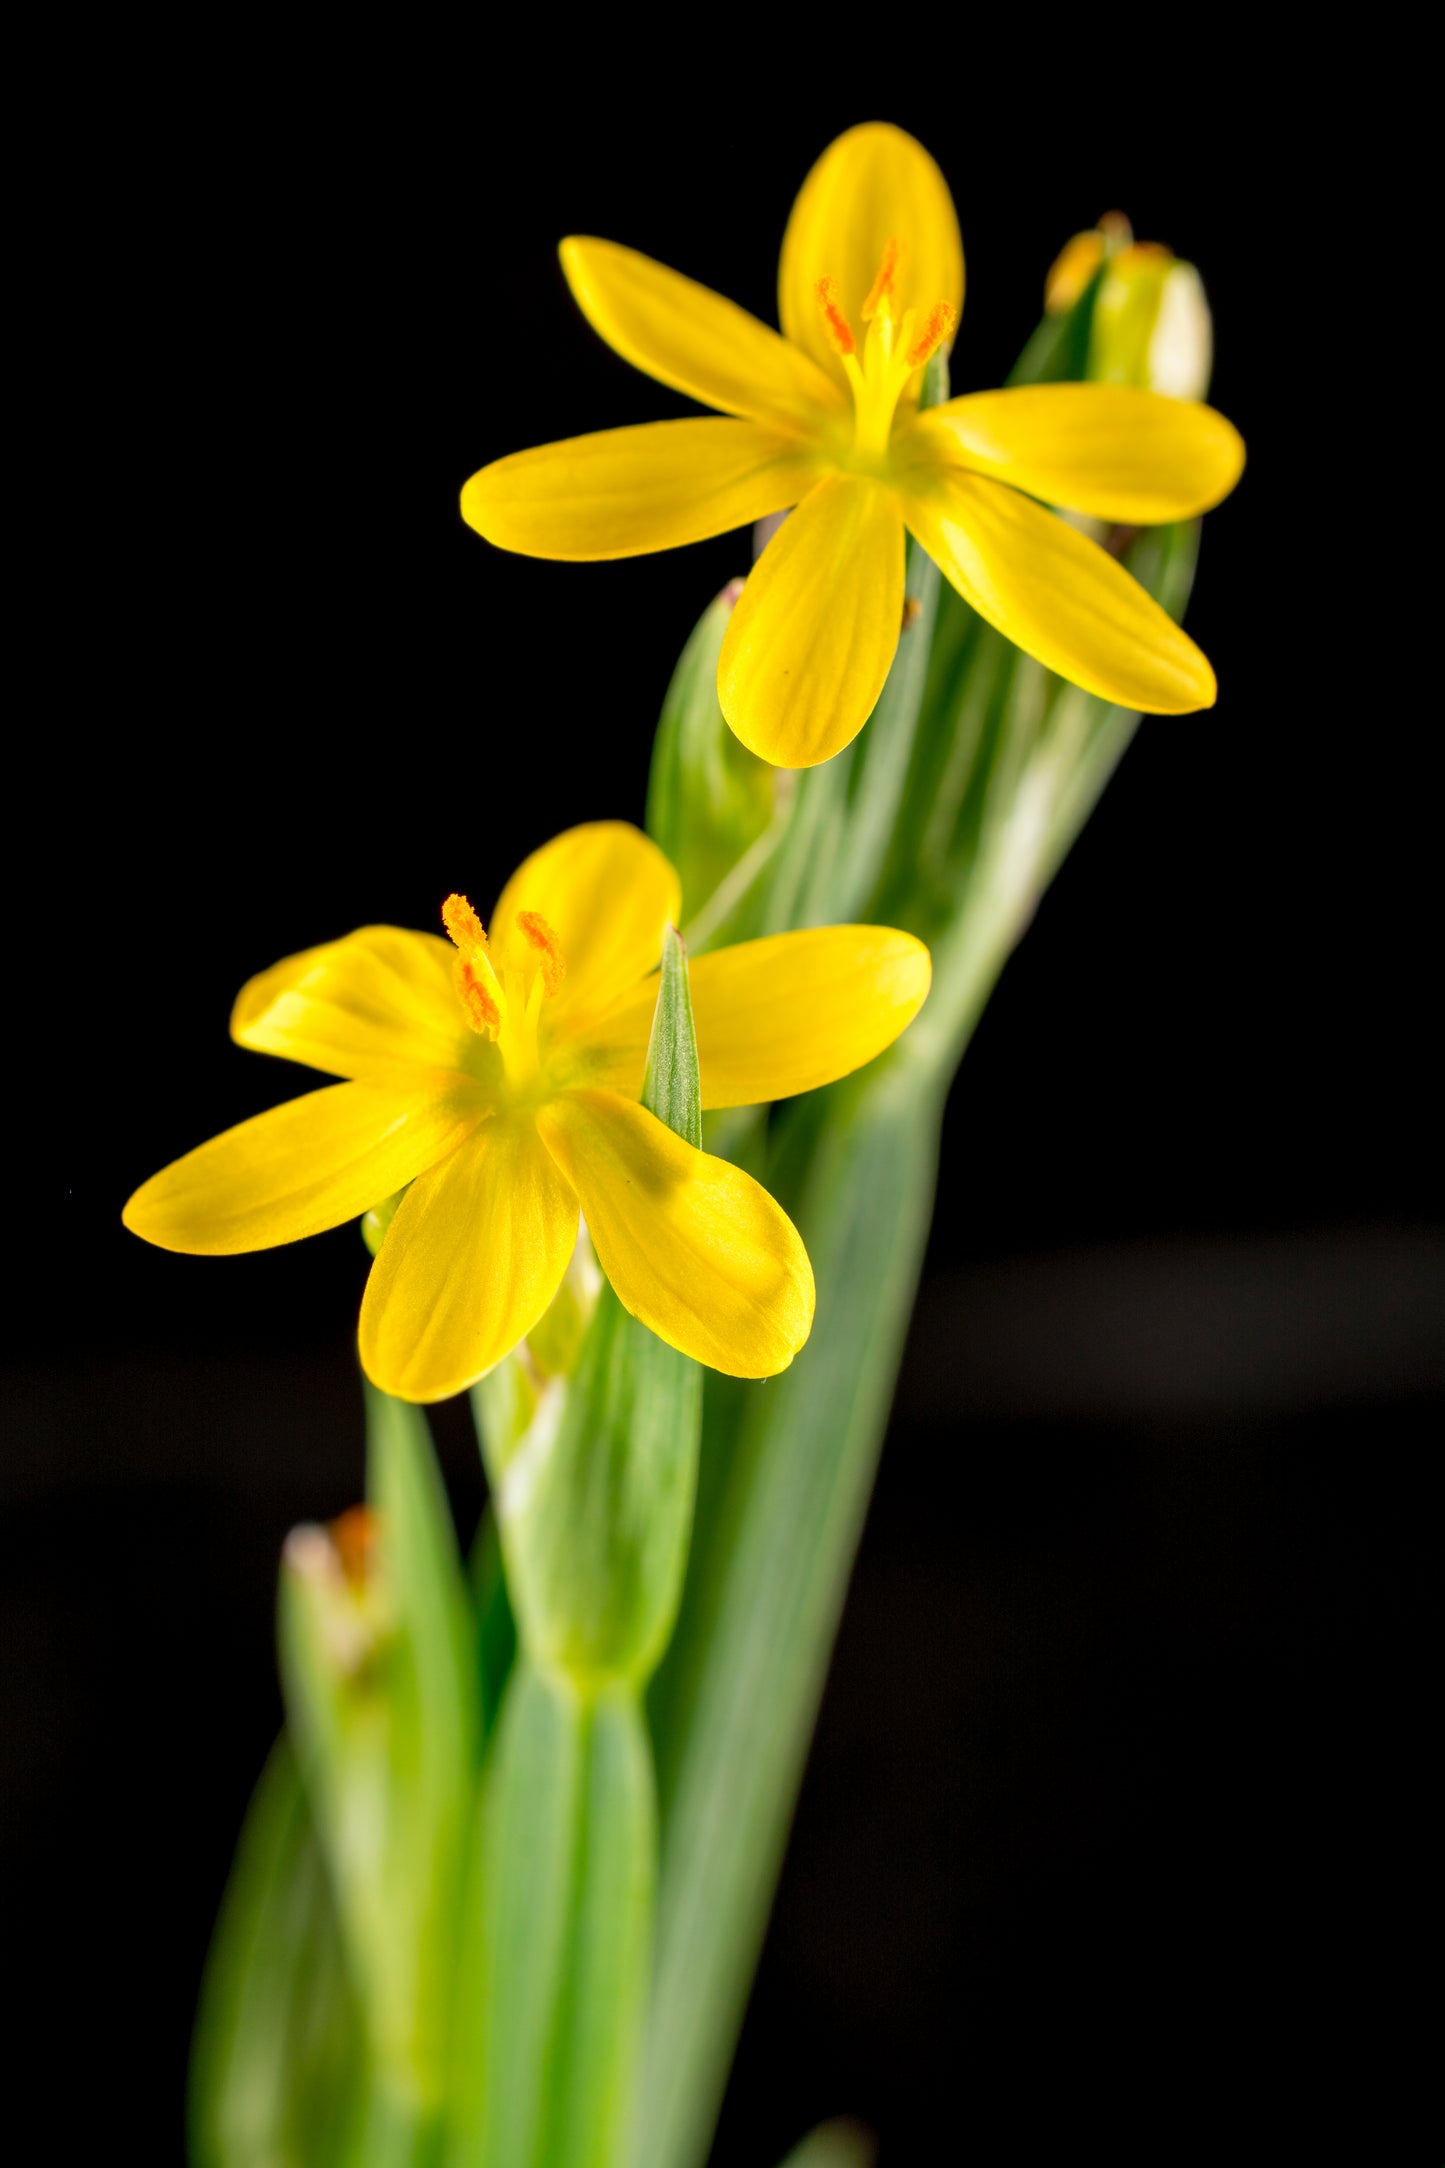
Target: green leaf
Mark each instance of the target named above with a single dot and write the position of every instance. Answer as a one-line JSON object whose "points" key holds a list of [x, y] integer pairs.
{"points": [[708, 798], [555, 1985], [277, 2063], [786, 1481], [378, 1668], [672, 1085]]}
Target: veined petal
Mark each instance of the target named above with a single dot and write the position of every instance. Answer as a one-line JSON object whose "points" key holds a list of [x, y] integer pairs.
{"points": [[694, 1247], [299, 1168], [609, 895], [776, 1016], [691, 338], [623, 492], [1106, 449], [872, 186], [808, 647], [1057, 595], [474, 1255], [378, 1005]]}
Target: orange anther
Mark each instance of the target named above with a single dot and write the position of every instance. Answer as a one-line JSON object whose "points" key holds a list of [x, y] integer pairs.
{"points": [[475, 994], [535, 930], [883, 288], [835, 323], [462, 924], [938, 326]]}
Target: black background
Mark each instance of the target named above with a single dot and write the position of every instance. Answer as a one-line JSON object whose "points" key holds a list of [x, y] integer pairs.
{"points": [[1115, 1827]]}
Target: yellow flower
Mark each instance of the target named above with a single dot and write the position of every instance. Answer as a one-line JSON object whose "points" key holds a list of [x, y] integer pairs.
{"points": [[826, 418], [500, 1078]]}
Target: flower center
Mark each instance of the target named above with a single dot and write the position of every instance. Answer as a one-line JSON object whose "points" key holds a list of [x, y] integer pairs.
{"points": [[505, 1005], [897, 342]]}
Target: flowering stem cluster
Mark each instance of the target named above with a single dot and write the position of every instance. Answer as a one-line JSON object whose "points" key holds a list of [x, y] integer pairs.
{"points": [[504, 1885]]}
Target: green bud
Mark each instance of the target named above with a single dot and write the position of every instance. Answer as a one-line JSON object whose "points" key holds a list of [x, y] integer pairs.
{"points": [[708, 798], [375, 1223], [1151, 324], [593, 1470], [376, 1658]]}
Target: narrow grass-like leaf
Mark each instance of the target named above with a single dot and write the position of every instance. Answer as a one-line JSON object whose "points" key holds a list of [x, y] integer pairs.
{"points": [[787, 1486], [278, 2059]]}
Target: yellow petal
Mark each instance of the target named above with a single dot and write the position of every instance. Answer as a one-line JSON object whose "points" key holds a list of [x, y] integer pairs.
{"points": [[872, 186], [687, 336], [623, 492], [300, 1168], [609, 895], [809, 644], [776, 1016], [474, 1255], [379, 1006], [694, 1247], [1058, 596], [1105, 449]]}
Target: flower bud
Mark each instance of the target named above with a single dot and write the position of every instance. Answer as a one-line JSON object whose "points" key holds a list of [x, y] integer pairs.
{"points": [[375, 1648], [1151, 326], [375, 1223], [592, 1467], [337, 1575], [1079, 259], [708, 798]]}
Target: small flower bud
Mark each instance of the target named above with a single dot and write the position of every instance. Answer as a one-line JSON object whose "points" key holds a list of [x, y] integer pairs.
{"points": [[338, 1568], [375, 1222], [1152, 326]]}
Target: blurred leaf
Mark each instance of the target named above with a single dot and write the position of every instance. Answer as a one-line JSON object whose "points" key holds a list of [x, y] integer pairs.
{"points": [[277, 2063], [834, 2145], [496, 1627], [708, 797], [554, 1989]]}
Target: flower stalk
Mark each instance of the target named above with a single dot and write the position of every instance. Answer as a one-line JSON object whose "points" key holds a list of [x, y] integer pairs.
{"points": [[1003, 763]]}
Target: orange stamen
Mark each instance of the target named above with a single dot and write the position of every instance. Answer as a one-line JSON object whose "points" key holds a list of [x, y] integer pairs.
{"points": [[475, 996], [354, 1539], [882, 289], [939, 325], [534, 929], [462, 924], [835, 323]]}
